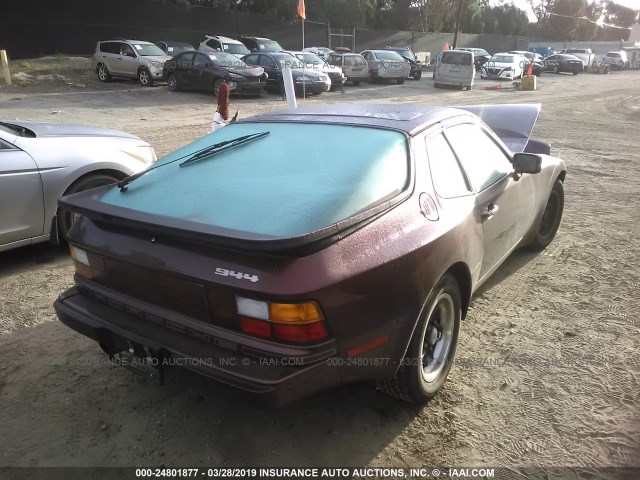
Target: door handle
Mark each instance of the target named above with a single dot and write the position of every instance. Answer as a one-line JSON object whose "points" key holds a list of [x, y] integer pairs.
{"points": [[491, 210]]}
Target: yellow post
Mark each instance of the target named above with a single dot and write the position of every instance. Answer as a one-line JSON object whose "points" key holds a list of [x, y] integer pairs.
{"points": [[529, 82], [4, 67]]}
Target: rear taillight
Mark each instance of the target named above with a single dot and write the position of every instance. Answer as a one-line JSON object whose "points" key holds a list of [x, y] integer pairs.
{"points": [[299, 323], [87, 265]]}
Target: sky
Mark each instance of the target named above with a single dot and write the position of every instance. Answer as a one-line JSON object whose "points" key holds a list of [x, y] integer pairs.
{"points": [[523, 4]]}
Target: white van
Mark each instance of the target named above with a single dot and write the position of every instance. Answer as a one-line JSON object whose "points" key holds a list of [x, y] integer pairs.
{"points": [[454, 67]]}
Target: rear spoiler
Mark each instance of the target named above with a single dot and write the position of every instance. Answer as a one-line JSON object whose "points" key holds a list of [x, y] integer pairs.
{"points": [[513, 123]]}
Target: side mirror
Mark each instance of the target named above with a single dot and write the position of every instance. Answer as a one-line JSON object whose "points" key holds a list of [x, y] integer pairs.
{"points": [[527, 163]]}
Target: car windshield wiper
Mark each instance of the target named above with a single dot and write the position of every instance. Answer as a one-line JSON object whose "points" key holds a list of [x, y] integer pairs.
{"points": [[222, 146], [194, 157]]}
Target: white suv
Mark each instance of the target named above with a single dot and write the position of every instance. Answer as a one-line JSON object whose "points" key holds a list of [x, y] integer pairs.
{"points": [[216, 43], [616, 60], [143, 61]]}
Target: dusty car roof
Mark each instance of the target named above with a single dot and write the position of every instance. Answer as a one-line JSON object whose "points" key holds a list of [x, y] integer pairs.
{"points": [[409, 119]]}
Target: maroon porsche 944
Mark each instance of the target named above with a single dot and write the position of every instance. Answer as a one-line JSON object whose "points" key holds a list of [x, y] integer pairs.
{"points": [[299, 250]]}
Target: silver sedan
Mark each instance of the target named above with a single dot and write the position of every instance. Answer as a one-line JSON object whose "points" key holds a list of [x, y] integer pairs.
{"points": [[40, 162]]}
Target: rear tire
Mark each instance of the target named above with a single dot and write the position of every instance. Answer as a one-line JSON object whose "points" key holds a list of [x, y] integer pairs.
{"points": [[356, 82], [103, 73], [417, 76], [92, 180], [556, 69], [400, 81], [550, 221], [431, 351]]}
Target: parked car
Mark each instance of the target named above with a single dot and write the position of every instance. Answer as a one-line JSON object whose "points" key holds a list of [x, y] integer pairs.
{"points": [[584, 54], [217, 43], [480, 56], [173, 48], [305, 80], [562, 62], [353, 65], [533, 59], [454, 67], [506, 66], [342, 50], [386, 65], [311, 60], [198, 71], [322, 52], [409, 56], [285, 259], [134, 59], [261, 44], [616, 60], [40, 162]]}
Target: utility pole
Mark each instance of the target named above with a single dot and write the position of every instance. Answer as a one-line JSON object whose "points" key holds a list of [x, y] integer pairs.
{"points": [[458, 19]]}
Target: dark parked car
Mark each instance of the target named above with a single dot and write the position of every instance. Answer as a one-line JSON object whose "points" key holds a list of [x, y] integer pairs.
{"points": [[271, 259], [563, 62], [304, 79], [261, 44], [480, 56], [202, 71], [409, 56], [173, 48]]}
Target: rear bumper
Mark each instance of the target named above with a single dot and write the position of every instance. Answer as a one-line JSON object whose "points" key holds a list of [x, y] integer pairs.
{"points": [[281, 379]]}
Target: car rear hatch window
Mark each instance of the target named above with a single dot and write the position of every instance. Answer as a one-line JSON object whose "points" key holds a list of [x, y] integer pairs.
{"points": [[456, 58], [298, 179]]}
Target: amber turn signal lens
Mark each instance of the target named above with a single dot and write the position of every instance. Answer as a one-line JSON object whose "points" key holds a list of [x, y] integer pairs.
{"points": [[295, 313]]}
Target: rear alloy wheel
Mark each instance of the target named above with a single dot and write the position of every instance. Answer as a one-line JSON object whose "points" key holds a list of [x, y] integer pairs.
{"points": [[429, 357], [172, 82], [103, 73], [145, 78], [400, 81], [551, 218], [66, 218], [556, 69]]}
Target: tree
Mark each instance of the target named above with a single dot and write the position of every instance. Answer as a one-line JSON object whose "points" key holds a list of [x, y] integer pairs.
{"points": [[620, 16], [343, 13]]}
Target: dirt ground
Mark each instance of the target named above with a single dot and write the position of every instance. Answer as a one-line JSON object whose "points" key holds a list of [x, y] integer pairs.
{"points": [[548, 370]]}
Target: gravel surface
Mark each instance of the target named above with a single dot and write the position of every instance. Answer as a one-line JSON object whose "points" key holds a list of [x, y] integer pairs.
{"points": [[548, 366]]}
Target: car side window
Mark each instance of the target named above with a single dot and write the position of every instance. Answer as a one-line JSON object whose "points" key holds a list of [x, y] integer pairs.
{"points": [[266, 61], [201, 60], [482, 159], [214, 44], [185, 60], [334, 60], [448, 179], [126, 50], [251, 59]]}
